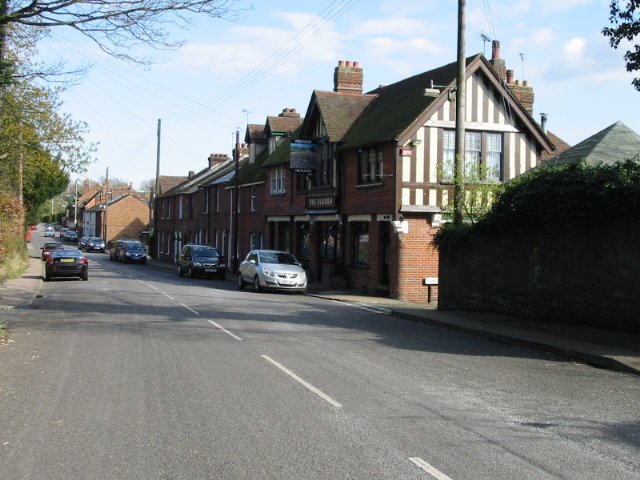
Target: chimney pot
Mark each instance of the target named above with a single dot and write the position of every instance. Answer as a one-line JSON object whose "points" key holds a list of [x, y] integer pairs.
{"points": [[495, 49], [341, 63], [509, 76], [543, 122], [349, 64], [356, 64]]}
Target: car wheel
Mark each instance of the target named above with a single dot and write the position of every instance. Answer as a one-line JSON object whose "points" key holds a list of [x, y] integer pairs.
{"points": [[241, 283], [47, 277], [190, 273], [179, 271], [85, 277], [143, 262], [256, 285]]}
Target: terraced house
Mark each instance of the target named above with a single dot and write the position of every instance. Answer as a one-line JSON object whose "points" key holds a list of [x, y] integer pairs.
{"points": [[356, 189]]}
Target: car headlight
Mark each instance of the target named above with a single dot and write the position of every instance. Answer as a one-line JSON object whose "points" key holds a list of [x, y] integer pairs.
{"points": [[303, 274], [197, 264], [222, 265], [268, 272]]}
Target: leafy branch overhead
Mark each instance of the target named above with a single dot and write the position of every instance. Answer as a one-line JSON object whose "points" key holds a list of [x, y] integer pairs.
{"points": [[117, 25], [625, 18]]}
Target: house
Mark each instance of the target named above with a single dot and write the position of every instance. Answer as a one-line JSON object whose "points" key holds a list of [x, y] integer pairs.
{"points": [[365, 213], [616, 143], [192, 210], [123, 217], [355, 189]]}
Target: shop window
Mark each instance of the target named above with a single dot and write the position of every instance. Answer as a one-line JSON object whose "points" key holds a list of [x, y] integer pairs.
{"points": [[360, 242]]}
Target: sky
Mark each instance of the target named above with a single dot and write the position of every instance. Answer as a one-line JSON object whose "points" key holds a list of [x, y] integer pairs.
{"points": [[237, 71]]}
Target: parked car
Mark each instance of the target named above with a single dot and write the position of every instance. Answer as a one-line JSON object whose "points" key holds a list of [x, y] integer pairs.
{"points": [[272, 270], [133, 252], [202, 260], [49, 231], [82, 243], [116, 245], [33, 227], [63, 232], [48, 248], [66, 263], [95, 244], [71, 236]]}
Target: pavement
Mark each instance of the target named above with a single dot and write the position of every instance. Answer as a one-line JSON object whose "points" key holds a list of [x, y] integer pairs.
{"points": [[614, 350]]}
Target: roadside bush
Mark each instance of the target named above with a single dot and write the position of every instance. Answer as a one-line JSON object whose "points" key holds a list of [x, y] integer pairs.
{"points": [[559, 194], [13, 254]]}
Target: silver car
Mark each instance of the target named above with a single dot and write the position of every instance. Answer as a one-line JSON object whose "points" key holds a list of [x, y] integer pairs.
{"points": [[272, 270]]}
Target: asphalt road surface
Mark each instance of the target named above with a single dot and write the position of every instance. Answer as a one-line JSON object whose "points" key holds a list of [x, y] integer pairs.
{"points": [[141, 374]]}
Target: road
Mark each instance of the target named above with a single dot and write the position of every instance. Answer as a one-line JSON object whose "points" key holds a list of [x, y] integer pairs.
{"points": [[139, 373]]}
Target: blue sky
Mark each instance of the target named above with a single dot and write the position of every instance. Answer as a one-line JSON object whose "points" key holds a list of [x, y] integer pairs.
{"points": [[275, 55]]}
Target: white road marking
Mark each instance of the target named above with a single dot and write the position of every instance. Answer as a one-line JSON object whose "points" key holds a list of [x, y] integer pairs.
{"points": [[190, 309], [435, 473], [224, 330], [168, 296], [155, 288], [301, 381], [380, 310]]}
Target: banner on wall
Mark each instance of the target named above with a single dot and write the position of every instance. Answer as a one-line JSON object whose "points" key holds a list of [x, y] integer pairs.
{"points": [[304, 154]]}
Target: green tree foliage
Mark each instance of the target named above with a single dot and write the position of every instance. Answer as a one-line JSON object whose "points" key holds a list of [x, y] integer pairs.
{"points": [[560, 194], [625, 18], [480, 191]]}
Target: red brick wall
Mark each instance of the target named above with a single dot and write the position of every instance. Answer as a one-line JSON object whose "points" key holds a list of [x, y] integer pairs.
{"points": [[416, 259], [127, 218]]}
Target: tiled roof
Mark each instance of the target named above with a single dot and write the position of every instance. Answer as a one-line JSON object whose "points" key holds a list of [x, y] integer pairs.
{"points": [[282, 153], [166, 183], [283, 124], [255, 133], [615, 143], [561, 146], [397, 106], [339, 111]]}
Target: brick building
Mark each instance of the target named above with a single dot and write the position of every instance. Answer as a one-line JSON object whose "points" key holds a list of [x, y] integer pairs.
{"points": [[355, 189]]}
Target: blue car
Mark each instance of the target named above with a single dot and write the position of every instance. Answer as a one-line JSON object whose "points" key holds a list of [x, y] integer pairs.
{"points": [[95, 244]]}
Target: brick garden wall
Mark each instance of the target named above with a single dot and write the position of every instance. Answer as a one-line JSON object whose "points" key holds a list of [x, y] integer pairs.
{"points": [[587, 274]]}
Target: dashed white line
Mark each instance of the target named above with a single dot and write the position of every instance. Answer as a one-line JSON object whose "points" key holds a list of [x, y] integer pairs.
{"points": [[155, 288], [302, 382], [224, 330], [189, 308], [168, 296], [434, 472]]}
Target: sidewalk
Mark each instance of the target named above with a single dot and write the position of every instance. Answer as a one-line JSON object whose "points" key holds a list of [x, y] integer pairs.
{"points": [[619, 351]]}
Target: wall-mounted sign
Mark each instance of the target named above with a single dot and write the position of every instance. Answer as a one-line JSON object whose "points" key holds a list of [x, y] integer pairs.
{"points": [[304, 154], [406, 152], [321, 201]]}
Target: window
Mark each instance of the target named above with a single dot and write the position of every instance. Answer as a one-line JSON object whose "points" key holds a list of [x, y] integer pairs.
{"points": [[253, 199], [304, 241], [207, 199], [370, 166], [217, 206], [360, 242], [277, 180], [180, 207], [483, 155], [494, 157], [324, 173], [329, 233]]}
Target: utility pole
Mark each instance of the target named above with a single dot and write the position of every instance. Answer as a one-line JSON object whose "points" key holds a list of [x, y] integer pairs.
{"points": [[155, 194], [106, 206], [458, 169], [236, 206]]}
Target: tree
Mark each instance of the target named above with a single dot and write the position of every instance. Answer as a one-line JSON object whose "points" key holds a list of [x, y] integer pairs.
{"points": [[114, 25], [626, 21]]}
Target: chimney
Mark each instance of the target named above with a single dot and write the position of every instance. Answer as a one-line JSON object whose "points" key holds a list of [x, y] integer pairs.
{"points": [[522, 91], [191, 173], [496, 62], [348, 78], [543, 122], [217, 159], [289, 113]]}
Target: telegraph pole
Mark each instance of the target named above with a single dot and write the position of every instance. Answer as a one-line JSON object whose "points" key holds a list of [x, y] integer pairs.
{"points": [[458, 168]]}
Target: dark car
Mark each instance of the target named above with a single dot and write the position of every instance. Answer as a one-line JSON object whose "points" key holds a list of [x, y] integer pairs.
{"points": [[95, 244], [201, 260], [71, 236], [48, 248], [116, 245], [66, 263], [82, 243], [132, 252]]}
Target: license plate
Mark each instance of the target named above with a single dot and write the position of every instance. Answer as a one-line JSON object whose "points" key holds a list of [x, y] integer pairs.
{"points": [[287, 282], [211, 270], [67, 260]]}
